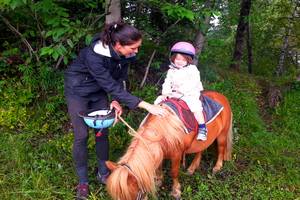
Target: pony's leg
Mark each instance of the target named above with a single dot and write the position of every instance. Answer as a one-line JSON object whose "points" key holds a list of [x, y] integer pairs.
{"points": [[176, 188], [195, 163], [159, 176], [221, 140]]}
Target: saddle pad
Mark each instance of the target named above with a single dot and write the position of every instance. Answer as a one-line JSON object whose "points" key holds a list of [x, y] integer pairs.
{"points": [[211, 109]]}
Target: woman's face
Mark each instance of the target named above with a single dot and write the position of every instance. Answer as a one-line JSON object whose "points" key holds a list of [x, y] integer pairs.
{"points": [[128, 50], [180, 61]]}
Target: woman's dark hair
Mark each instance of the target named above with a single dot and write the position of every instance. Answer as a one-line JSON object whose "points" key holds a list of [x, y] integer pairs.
{"points": [[120, 32], [188, 58]]}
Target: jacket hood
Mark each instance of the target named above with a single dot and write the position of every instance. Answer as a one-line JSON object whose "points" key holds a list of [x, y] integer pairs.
{"points": [[102, 49]]}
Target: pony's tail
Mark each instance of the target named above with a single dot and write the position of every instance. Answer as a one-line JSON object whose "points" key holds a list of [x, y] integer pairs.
{"points": [[228, 150]]}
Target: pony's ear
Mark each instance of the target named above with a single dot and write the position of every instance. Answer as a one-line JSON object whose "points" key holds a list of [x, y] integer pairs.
{"points": [[111, 165]]}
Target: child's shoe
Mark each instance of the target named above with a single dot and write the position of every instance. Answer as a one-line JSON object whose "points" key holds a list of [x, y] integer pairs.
{"points": [[202, 134]]}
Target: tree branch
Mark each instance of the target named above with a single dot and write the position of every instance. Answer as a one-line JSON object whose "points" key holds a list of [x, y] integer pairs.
{"points": [[156, 41], [147, 69], [59, 61], [13, 29]]}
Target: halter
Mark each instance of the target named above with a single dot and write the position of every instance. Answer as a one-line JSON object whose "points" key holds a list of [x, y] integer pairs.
{"points": [[142, 192]]}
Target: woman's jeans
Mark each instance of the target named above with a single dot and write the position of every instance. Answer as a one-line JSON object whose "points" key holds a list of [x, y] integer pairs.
{"points": [[80, 146]]}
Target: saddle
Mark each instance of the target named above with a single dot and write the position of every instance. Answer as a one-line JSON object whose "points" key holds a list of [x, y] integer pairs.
{"points": [[211, 109]]}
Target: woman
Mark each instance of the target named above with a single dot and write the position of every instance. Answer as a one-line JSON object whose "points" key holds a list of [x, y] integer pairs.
{"points": [[97, 72]]}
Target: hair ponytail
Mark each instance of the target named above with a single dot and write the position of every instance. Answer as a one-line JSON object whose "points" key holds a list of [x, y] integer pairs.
{"points": [[120, 32]]}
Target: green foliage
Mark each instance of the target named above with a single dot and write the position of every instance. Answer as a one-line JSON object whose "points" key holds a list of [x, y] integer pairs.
{"points": [[34, 172], [119, 139], [288, 113], [55, 32], [12, 4], [36, 137], [64, 32], [14, 99], [178, 12], [148, 93], [243, 93], [7, 58]]}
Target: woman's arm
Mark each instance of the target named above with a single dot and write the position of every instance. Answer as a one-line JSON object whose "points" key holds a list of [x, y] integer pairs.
{"points": [[98, 70]]}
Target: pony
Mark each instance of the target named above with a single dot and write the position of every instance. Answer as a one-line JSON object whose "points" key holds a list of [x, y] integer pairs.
{"points": [[139, 170]]}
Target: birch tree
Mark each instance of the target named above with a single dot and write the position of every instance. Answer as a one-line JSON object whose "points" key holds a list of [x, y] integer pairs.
{"points": [[113, 11]]}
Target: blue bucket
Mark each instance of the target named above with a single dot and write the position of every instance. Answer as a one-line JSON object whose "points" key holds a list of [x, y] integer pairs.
{"points": [[98, 119]]}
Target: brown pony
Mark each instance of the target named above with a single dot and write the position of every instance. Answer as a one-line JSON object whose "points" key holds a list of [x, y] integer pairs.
{"points": [[159, 138]]}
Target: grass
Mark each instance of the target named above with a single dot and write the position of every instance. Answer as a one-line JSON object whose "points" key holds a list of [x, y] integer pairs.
{"points": [[265, 165]]}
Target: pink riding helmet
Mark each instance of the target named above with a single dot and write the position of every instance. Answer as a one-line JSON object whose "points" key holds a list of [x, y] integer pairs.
{"points": [[184, 47]]}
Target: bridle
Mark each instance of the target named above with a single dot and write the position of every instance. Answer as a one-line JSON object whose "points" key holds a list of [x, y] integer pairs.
{"points": [[142, 192]]}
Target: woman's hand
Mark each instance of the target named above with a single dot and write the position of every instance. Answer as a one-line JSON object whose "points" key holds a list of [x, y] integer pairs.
{"points": [[153, 109], [118, 109]]}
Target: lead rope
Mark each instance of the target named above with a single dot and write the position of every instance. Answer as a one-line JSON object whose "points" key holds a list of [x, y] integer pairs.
{"points": [[134, 134], [122, 120]]}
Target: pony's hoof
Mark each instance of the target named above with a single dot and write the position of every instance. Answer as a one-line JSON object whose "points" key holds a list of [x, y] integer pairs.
{"points": [[215, 170], [176, 196], [158, 183], [190, 172]]}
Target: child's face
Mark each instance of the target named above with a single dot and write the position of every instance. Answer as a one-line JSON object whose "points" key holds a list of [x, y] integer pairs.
{"points": [[180, 61]]}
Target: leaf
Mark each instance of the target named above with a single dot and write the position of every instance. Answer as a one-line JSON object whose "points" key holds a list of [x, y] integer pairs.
{"points": [[55, 55], [70, 43], [189, 15], [49, 33], [88, 39], [65, 60], [178, 12], [16, 3], [46, 51], [57, 33]]}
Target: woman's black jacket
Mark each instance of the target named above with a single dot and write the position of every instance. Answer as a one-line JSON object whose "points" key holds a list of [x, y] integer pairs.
{"points": [[99, 70]]}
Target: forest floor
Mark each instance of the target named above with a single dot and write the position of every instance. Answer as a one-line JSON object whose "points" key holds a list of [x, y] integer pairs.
{"points": [[265, 164]]}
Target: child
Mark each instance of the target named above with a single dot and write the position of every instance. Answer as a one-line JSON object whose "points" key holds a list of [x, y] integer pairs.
{"points": [[183, 81]]}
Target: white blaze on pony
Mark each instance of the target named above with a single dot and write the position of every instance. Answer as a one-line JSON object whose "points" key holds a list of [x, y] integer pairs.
{"points": [[162, 138]]}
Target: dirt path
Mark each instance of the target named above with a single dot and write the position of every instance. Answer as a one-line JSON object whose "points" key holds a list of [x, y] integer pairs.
{"points": [[268, 99]]}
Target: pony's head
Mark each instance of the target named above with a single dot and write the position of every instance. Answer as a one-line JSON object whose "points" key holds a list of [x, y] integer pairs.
{"points": [[123, 185]]}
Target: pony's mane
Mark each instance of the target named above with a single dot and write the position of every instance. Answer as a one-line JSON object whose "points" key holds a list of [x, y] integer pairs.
{"points": [[157, 135]]}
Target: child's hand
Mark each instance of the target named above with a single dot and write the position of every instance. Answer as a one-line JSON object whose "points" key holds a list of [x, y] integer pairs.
{"points": [[160, 98], [164, 97]]}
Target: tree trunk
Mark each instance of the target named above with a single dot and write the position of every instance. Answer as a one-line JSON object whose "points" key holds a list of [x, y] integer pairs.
{"points": [[113, 11], [284, 48], [279, 69], [200, 36], [249, 48], [240, 34]]}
